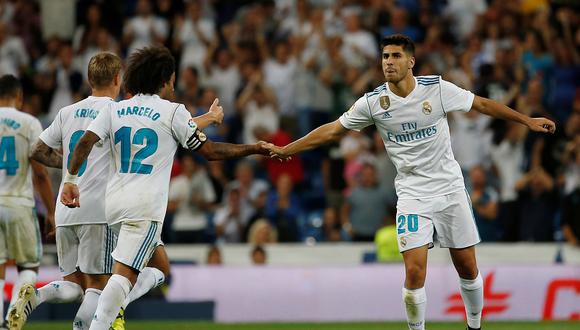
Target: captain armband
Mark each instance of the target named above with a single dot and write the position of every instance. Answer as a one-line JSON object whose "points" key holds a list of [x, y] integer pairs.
{"points": [[197, 139]]}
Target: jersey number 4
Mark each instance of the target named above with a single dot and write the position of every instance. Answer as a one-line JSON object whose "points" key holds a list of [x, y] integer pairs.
{"points": [[142, 136], [8, 159]]}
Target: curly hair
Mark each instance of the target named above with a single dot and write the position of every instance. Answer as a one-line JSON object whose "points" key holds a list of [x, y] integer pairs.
{"points": [[149, 69]]}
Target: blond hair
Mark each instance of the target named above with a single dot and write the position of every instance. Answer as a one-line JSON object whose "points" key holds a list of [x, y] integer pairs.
{"points": [[103, 68], [256, 227]]}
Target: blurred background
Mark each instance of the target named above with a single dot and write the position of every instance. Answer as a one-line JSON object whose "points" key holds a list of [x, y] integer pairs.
{"points": [[283, 67]]}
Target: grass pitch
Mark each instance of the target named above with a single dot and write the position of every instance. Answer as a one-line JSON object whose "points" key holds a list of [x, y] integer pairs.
{"points": [[169, 325]]}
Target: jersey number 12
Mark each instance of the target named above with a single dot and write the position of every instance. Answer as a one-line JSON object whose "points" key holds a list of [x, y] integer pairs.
{"points": [[142, 136]]}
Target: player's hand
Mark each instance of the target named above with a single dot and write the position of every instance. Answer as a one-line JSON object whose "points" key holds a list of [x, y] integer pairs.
{"points": [[70, 195], [217, 112], [542, 125], [49, 227], [277, 152]]}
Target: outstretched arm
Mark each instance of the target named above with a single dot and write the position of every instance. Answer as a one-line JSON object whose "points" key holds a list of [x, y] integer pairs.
{"points": [[320, 136], [70, 191], [46, 155], [498, 110], [219, 151]]}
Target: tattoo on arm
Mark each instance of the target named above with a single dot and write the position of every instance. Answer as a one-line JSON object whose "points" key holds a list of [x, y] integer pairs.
{"points": [[46, 155], [219, 151]]}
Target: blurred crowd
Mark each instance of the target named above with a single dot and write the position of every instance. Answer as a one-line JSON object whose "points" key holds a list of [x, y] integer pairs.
{"points": [[283, 67]]}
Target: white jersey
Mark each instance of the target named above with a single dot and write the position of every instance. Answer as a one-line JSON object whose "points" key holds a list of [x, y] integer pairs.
{"points": [[143, 133], [18, 134], [65, 131], [415, 132]]}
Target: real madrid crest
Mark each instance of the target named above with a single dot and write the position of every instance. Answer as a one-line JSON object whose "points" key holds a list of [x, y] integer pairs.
{"points": [[427, 108], [385, 102]]}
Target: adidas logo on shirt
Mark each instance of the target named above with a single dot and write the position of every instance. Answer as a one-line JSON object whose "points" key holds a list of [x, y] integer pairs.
{"points": [[386, 115]]}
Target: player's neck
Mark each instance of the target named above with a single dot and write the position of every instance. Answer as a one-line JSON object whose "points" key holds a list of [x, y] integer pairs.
{"points": [[7, 103], [403, 87], [105, 92]]}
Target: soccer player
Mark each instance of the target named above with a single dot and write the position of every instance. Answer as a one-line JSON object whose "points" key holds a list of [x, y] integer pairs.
{"points": [[410, 113], [84, 240], [143, 133], [19, 231]]}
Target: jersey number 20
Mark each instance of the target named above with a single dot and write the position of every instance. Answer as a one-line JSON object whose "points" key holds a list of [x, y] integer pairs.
{"points": [[8, 160], [411, 221], [142, 136]]}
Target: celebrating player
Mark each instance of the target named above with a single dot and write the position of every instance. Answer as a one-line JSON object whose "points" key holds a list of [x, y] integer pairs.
{"points": [[410, 113], [143, 133], [19, 232]]}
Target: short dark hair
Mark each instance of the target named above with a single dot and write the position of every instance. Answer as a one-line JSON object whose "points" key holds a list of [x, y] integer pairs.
{"points": [[148, 70], [399, 40], [10, 86]]}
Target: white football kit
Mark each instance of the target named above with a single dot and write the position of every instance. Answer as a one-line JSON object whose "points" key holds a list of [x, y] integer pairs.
{"points": [[19, 231], [143, 133], [83, 238], [429, 184]]}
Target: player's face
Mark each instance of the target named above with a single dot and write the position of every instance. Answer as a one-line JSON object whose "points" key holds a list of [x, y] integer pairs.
{"points": [[396, 63]]}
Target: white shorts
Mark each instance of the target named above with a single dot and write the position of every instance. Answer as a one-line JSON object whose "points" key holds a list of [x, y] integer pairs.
{"points": [[451, 216], [87, 248], [20, 236], [137, 242]]}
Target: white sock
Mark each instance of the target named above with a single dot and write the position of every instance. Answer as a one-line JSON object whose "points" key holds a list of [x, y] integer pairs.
{"points": [[148, 279], [24, 277], [415, 301], [59, 292], [87, 310], [110, 302], [1, 300], [472, 294]]}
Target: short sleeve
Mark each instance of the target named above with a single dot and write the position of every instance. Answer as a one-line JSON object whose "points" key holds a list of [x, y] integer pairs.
{"points": [[101, 126], [454, 98], [185, 129], [35, 131], [52, 135], [358, 116]]}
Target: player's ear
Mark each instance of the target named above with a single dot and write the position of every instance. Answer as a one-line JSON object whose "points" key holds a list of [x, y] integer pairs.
{"points": [[411, 62]]}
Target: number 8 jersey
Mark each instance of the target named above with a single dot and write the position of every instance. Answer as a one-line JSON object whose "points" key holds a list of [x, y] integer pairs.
{"points": [[65, 131], [143, 133]]}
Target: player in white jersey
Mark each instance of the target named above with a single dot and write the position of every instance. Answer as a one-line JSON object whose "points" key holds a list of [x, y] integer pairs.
{"points": [[410, 113], [84, 240], [143, 133], [19, 231]]}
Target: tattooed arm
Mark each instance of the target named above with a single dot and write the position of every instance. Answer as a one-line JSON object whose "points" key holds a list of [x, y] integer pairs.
{"points": [[218, 151], [46, 155]]}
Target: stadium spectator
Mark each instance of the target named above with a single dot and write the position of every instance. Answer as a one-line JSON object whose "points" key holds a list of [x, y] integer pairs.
{"points": [[537, 206], [258, 255], [145, 29], [190, 196], [283, 209], [365, 209], [484, 200], [214, 256], [262, 232], [13, 56], [194, 34], [231, 218]]}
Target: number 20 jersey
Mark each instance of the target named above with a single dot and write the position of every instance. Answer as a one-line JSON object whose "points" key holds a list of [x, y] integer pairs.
{"points": [[65, 131], [143, 133]]}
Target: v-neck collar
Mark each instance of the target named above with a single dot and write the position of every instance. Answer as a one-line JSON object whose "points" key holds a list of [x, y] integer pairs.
{"points": [[406, 98]]}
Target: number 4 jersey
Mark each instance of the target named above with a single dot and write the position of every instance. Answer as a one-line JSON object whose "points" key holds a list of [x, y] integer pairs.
{"points": [[65, 131], [18, 134], [143, 133]]}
